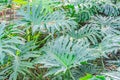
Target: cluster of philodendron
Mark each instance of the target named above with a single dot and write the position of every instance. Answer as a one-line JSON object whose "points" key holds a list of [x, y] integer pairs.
{"points": [[63, 37]]}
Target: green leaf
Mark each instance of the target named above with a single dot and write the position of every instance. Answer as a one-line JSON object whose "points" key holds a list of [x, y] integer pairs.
{"points": [[87, 77]]}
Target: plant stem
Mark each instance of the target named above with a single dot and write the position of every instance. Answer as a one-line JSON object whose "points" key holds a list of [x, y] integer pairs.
{"points": [[102, 63], [28, 35], [46, 38], [71, 75], [36, 37]]}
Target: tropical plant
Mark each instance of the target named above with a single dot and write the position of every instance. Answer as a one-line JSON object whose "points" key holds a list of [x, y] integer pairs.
{"points": [[20, 62], [88, 34], [56, 21], [109, 9], [13, 53], [63, 54], [61, 38]]}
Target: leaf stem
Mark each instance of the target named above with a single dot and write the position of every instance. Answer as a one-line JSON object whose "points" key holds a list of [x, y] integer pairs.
{"points": [[71, 75], [102, 63]]}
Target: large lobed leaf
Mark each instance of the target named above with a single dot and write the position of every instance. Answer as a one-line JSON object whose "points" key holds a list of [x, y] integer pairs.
{"points": [[42, 21], [63, 54]]}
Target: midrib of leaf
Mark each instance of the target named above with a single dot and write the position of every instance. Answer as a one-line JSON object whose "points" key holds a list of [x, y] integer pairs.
{"points": [[59, 60], [17, 63]]}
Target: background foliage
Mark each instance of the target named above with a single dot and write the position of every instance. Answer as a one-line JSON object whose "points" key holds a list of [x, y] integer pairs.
{"points": [[59, 39]]}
